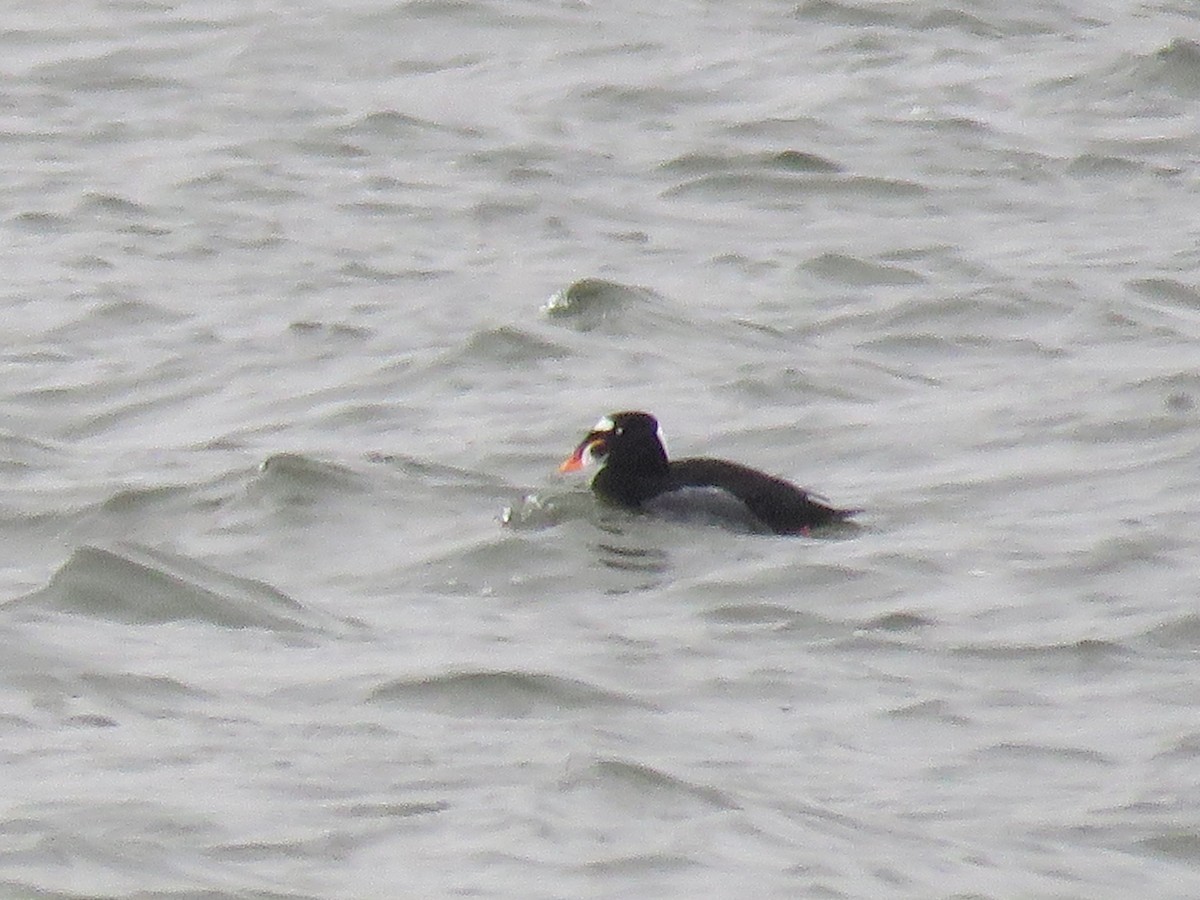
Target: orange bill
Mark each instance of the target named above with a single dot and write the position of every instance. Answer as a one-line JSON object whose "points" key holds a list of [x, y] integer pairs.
{"points": [[574, 462]]}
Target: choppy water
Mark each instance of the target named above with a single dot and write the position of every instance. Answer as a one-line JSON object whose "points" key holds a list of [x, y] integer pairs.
{"points": [[304, 303]]}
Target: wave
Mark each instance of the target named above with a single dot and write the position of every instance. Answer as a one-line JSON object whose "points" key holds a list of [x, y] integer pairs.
{"points": [[141, 586]]}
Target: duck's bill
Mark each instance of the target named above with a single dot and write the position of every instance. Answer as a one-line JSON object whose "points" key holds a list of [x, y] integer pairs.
{"points": [[584, 455], [575, 461]]}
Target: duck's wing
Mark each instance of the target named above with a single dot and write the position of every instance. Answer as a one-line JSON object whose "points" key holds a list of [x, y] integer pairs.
{"points": [[706, 505], [781, 505]]}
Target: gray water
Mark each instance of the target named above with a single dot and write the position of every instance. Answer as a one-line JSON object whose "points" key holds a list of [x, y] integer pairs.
{"points": [[304, 302]]}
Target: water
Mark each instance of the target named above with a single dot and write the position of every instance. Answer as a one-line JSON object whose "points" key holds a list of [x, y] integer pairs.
{"points": [[305, 302]]}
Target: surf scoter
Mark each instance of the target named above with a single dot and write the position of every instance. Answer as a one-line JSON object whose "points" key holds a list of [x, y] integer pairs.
{"points": [[636, 474]]}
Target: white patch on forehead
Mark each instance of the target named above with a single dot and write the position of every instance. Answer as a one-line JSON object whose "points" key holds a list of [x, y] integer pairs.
{"points": [[662, 439], [605, 424]]}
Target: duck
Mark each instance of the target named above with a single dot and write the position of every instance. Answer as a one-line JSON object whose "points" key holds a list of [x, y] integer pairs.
{"points": [[635, 473]]}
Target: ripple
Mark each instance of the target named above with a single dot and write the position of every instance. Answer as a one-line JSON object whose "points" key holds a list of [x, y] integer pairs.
{"points": [[899, 621], [41, 222], [505, 694], [1175, 67], [392, 125], [1169, 72], [508, 346], [1181, 634], [1086, 655], [626, 558], [856, 272], [929, 710], [771, 615], [297, 478], [339, 331], [1177, 844], [1168, 290], [797, 161], [1017, 751], [774, 190], [637, 786], [1111, 166], [1185, 749], [121, 70], [116, 318], [593, 303], [990, 22]]}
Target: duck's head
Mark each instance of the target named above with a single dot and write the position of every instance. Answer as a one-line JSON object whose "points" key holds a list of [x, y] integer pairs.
{"points": [[632, 439]]}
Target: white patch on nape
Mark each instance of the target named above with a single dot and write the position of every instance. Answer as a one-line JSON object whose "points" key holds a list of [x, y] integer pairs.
{"points": [[662, 439], [605, 424]]}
